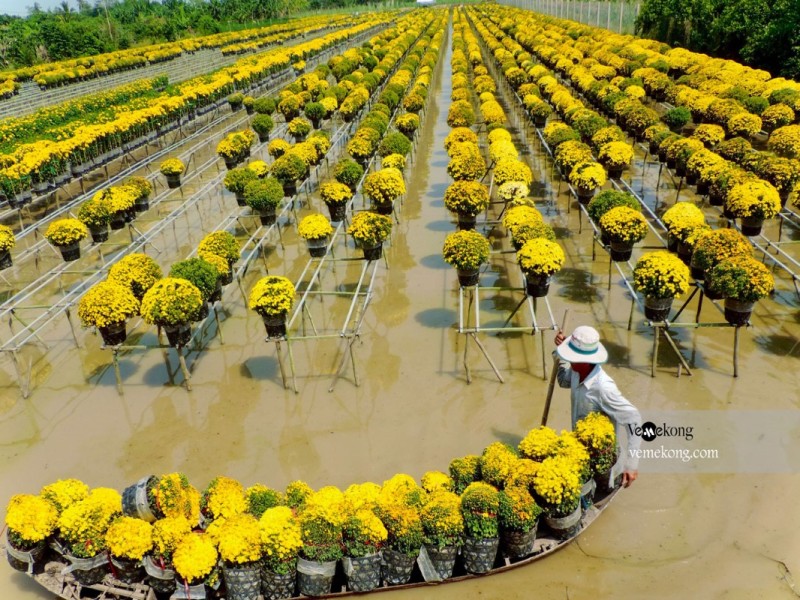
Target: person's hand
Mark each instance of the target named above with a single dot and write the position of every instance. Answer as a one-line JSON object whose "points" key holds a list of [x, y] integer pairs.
{"points": [[628, 477], [560, 337]]}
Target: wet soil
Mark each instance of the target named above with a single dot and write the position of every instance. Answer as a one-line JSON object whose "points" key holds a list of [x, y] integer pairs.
{"points": [[670, 535]]}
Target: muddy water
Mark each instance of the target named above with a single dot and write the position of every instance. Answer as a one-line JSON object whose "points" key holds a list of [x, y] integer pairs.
{"points": [[709, 536]]}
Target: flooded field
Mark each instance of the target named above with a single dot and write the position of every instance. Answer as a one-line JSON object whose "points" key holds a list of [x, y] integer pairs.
{"points": [[729, 536]]}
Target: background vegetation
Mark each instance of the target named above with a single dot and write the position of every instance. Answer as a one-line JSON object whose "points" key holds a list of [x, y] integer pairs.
{"points": [[761, 33]]}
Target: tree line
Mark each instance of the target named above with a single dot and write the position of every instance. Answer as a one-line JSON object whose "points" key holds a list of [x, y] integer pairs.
{"points": [[79, 28], [764, 34]]}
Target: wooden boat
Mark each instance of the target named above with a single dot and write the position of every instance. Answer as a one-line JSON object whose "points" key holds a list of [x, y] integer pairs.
{"points": [[64, 586]]}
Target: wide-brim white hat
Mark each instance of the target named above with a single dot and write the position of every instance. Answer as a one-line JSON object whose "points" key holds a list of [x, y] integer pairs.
{"points": [[583, 346]]}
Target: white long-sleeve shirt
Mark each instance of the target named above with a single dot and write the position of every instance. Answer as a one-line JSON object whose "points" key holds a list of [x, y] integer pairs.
{"points": [[599, 393]]}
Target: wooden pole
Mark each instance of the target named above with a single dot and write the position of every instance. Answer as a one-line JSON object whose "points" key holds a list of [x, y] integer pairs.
{"points": [[552, 386]]}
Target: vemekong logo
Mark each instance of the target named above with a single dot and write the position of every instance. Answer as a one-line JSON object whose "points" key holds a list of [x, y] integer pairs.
{"points": [[649, 431]]}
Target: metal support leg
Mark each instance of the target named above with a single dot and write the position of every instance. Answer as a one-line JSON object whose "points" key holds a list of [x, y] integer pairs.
{"points": [[657, 333]]}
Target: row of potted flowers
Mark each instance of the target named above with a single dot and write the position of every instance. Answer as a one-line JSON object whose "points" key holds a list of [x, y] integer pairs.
{"points": [[166, 533]]}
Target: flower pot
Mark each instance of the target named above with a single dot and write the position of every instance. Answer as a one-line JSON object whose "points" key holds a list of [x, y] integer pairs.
{"points": [[567, 526], [587, 493], [226, 278], [604, 484], [539, 121], [267, 216], [216, 295], [373, 252], [398, 567], [263, 137], [24, 558], [615, 172], [479, 554], [685, 252], [363, 572], [277, 586], [752, 226], [727, 212], [711, 291], [5, 260], [315, 578], [680, 169], [173, 181], [517, 544], [653, 148], [467, 221], [702, 188], [117, 221], [662, 155], [671, 163], [290, 189], [537, 285], [202, 313], [126, 570], [188, 591], [99, 233], [697, 272], [715, 198], [621, 251], [337, 211], [443, 559], [691, 178], [319, 247], [275, 325], [128, 216], [178, 335], [584, 196], [162, 580], [383, 208], [657, 309], [243, 582], [737, 312], [88, 571], [230, 163], [672, 243], [240, 199], [468, 277], [70, 252], [114, 335]]}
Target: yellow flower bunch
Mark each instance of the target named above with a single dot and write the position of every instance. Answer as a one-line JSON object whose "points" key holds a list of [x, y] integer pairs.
{"points": [[106, 303], [64, 232], [744, 124], [539, 256], [333, 192], [172, 166], [407, 123], [466, 197], [281, 538], [557, 483], [615, 155], [521, 215], [195, 557], [539, 444], [754, 199], [497, 135], [517, 510], [363, 533], [272, 295], [465, 249], [64, 493], [436, 480], [7, 239], [174, 496], [502, 149], [168, 533], [569, 446], [369, 228], [493, 113], [259, 167], [467, 162], [224, 497], [479, 505], [441, 519], [460, 114], [171, 301], [314, 227], [709, 134], [30, 519], [394, 161], [624, 224], [401, 489], [661, 274], [240, 539], [220, 264], [277, 148], [742, 278], [362, 495], [512, 170], [382, 187], [329, 103], [459, 135], [326, 504], [221, 243], [596, 432], [130, 538], [587, 176], [496, 463], [511, 191], [571, 153], [682, 216], [700, 164], [403, 526], [522, 472], [719, 245], [83, 524], [137, 272]]}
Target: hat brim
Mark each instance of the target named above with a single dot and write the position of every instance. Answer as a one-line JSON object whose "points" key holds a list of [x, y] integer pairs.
{"points": [[565, 352]]}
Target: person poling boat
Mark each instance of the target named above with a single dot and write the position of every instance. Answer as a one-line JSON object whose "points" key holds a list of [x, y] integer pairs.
{"points": [[580, 357]]}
